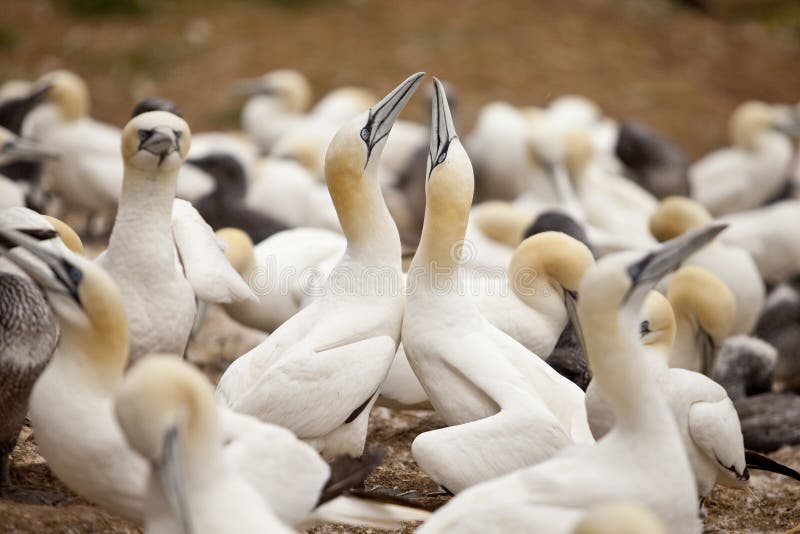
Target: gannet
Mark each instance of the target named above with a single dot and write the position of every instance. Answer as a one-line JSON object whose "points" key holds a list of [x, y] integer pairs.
{"points": [[28, 336], [655, 163], [768, 234], [16, 188], [641, 460], [733, 265], [225, 205], [704, 413], [87, 174], [161, 253], [745, 367], [167, 412], [286, 191], [286, 272], [319, 373], [752, 171], [611, 202], [705, 312], [482, 382], [74, 397], [277, 103], [498, 147]]}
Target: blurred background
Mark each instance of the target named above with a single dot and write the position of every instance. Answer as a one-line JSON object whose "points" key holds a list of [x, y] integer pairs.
{"points": [[679, 66]]}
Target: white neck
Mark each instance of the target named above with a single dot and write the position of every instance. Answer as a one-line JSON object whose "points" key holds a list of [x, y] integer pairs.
{"points": [[684, 349], [143, 229]]}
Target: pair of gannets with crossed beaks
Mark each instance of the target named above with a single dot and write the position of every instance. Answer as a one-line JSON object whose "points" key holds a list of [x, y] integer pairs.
{"points": [[319, 373], [73, 399], [506, 408], [161, 253], [642, 459]]}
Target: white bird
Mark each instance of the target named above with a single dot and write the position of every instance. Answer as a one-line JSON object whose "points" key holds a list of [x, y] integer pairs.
{"points": [[286, 272], [286, 191], [278, 102], [768, 235], [495, 395], [621, 517], [166, 410], [74, 398], [641, 460], [611, 202], [161, 253], [730, 262], [752, 171], [705, 416], [15, 149], [319, 373], [87, 174]]}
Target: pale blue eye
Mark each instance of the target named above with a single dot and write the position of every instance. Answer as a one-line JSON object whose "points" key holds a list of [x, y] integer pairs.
{"points": [[365, 134]]}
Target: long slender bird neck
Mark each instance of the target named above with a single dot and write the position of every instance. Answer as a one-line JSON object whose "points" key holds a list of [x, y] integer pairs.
{"points": [[440, 250], [623, 375], [371, 233], [143, 228], [102, 350], [685, 335]]}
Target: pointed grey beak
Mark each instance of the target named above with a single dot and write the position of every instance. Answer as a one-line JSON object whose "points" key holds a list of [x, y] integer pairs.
{"points": [[52, 271], [21, 149], [159, 141], [170, 473], [383, 114], [791, 129], [442, 129], [646, 273], [254, 87]]}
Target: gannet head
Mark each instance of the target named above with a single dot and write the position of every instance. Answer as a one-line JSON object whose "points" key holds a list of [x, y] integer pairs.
{"points": [[166, 410], [14, 148], [574, 111], [709, 303], [450, 182], [752, 118], [228, 173], [156, 141], [620, 518], [562, 259], [657, 328], [358, 145], [677, 215], [289, 87], [239, 249], [67, 234], [82, 294], [501, 221], [620, 282], [67, 91]]}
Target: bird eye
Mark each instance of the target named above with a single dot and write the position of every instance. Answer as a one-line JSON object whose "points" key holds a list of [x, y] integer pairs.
{"points": [[441, 158], [178, 134], [365, 134], [144, 134], [75, 275]]}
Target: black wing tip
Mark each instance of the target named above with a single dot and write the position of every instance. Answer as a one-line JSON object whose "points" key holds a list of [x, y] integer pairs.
{"points": [[348, 472]]}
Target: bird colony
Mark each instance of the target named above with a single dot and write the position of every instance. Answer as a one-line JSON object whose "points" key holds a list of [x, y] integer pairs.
{"points": [[605, 330]]}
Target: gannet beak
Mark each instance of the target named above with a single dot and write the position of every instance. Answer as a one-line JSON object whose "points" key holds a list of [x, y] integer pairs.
{"points": [[646, 272], [21, 149], [249, 88], [791, 129], [170, 474], [58, 274], [571, 304], [159, 141], [442, 129], [383, 114]]}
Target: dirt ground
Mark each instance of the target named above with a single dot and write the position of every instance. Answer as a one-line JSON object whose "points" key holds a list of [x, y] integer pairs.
{"points": [[677, 70], [772, 506]]}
